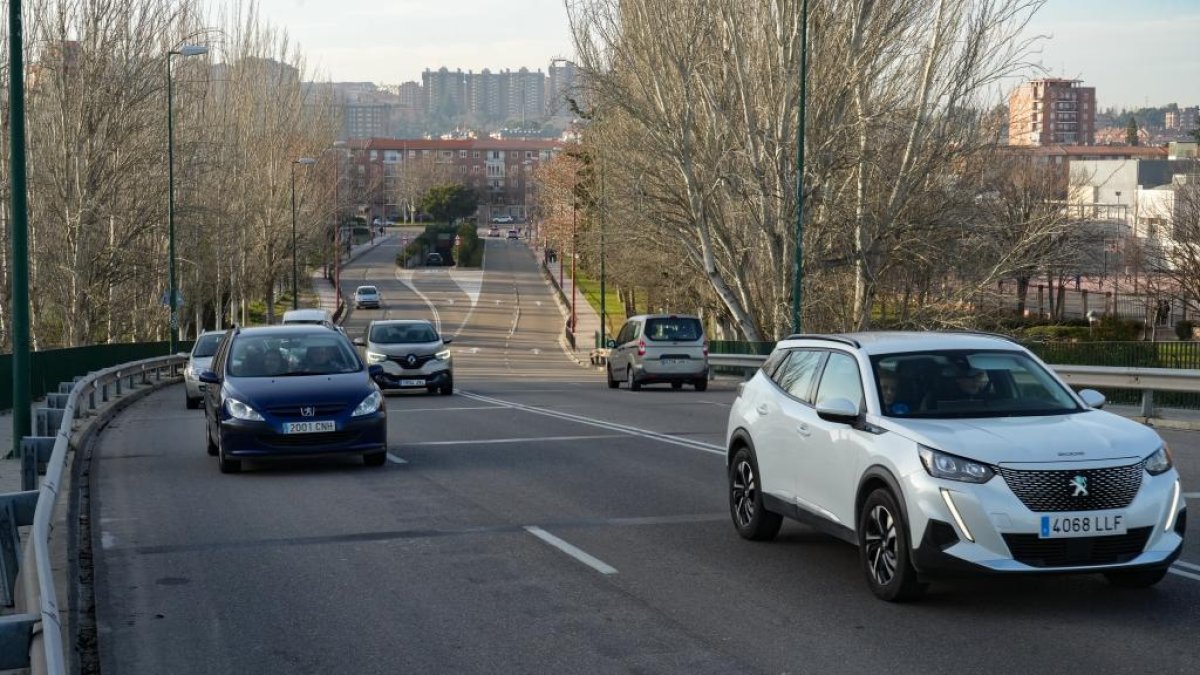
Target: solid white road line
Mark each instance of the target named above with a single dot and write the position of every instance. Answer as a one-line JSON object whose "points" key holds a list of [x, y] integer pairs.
{"points": [[602, 424], [465, 407], [437, 318], [1181, 573], [576, 553], [1188, 565], [502, 441], [396, 460], [1191, 495]]}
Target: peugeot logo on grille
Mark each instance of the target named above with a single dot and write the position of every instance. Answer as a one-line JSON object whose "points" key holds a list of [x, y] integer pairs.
{"points": [[412, 359], [307, 411], [1080, 485]]}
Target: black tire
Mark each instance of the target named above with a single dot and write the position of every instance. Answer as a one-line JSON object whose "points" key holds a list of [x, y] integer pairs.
{"points": [[677, 386], [751, 519], [1135, 578], [208, 441], [431, 390], [634, 385], [612, 384], [227, 465], [883, 549], [191, 403], [701, 385], [375, 458], [448, 388]]}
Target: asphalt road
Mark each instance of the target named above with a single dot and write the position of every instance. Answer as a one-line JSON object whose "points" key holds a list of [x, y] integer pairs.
{"points": [[539, 522]]}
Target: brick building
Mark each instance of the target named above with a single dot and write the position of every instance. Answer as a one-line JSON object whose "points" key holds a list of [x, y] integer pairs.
{"points": [[1052, 111]]}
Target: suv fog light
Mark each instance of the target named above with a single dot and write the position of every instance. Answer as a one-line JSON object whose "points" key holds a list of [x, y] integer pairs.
{"points": [[1174, 510], [957, 517]]}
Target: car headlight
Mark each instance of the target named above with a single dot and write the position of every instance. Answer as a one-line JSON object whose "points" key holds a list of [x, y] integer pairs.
{"points": [[241, 411], [369, 405], [950, 467], [443, 355], [373, 357], [1159, 462]]}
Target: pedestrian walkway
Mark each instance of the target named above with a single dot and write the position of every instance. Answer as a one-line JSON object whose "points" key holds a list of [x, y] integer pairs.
{"points": [[10, 467], [588, 320], [326, 294]]}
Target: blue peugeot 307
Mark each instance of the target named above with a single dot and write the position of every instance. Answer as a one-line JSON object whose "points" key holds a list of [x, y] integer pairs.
{"points": [[291, 391]]}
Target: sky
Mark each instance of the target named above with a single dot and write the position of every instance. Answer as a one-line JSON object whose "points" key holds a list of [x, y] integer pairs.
{"points": [[1132, 51]]}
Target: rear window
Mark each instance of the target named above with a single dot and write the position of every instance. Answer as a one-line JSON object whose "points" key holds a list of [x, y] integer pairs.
{"points": [[207, 345], [675, 329]]}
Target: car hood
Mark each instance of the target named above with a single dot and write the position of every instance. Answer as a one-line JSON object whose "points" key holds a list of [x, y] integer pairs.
{"points": [[1079, 437], [265, 392], [404, 349]]}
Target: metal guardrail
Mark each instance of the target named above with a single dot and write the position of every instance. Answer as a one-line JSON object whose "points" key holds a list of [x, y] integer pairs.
{"points": [[36, 506]]}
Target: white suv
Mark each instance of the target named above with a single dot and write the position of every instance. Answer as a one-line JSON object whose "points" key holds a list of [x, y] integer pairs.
{"points": [[939, 454]]}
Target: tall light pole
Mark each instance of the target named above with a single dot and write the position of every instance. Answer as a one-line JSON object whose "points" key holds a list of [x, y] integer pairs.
{"points": [[21, 421], [798, 262], [172, 293], [303, 161], [603, 297]]}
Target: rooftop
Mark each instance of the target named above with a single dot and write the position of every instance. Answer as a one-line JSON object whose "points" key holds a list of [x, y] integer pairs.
{"points": [[890, 342]]}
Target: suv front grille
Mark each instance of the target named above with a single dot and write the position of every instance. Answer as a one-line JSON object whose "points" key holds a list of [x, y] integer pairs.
{"points": [[1049, 491], [1077, 551], [294, 411], [419, 361]]}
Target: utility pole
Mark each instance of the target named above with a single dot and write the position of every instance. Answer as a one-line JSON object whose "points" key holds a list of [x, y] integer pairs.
{"points": [[798, 262], [20, 228], [603, 304]]}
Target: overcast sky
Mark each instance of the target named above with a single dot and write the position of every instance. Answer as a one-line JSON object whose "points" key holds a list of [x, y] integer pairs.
{"points": [[1130, 50]]}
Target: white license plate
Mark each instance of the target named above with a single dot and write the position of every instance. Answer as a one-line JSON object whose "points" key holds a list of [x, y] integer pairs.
{"points": [[1067, 525], [674, 362], [412, 383], [324, 426]]}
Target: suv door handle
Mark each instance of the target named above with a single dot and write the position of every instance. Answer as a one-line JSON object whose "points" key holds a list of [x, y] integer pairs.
{"points": [[803, 429], [763, 409]]}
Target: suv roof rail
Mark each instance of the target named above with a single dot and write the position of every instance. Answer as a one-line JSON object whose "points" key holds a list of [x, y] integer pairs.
{"points": [[846, 340], [1002, 336]]}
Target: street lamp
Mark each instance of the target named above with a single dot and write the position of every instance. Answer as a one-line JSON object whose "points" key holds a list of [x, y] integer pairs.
{"points": [[172, 301], [798, 262], [303, 161]]}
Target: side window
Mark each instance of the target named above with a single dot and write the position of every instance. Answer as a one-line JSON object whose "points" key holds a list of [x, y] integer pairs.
{"points": [[626, 333], [841, 380], [797, 374], [773, 361], [218, 363]]}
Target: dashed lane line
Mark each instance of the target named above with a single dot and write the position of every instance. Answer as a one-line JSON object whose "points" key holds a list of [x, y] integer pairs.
{"points": [[505, 441], [573, 551]]}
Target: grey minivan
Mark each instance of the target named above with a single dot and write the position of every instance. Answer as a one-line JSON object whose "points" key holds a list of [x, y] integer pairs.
{"points": [[412, 354], [668, 348]]}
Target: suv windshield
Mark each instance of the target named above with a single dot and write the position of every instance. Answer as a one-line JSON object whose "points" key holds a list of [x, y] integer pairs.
{"points": [[366, 290], [279, 356], [967, 383], [400, 334], [675, 329], [206, 345]]}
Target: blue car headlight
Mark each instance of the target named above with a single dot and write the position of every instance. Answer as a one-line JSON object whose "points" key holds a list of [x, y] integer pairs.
{"points": [[241, 411], [371, 404]]}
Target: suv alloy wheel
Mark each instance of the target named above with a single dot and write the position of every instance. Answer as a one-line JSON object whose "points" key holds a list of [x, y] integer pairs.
{"points": [[884, 551], [751, 519]]}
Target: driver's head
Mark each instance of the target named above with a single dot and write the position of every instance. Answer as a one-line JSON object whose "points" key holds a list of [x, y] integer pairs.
{"points": [[887, 386], [972, 381]]}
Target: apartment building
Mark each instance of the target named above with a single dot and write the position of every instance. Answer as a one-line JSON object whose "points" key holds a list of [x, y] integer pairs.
{"points": [[1052, 111]]}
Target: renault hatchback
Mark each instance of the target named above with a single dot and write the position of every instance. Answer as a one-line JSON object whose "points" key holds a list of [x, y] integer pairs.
{"points": [[939, 454]]}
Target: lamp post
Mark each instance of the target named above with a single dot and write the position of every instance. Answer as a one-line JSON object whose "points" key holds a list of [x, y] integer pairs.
{"points": [[303, 161], [21, 419], [172, 293], [798, 262]]}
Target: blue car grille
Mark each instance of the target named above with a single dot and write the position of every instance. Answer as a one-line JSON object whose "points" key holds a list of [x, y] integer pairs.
{"points": [[294, 411]]}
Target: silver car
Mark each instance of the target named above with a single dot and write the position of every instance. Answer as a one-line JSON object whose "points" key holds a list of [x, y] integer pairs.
{"points": [[668, 348], [412, 354], [366, 296], [200, 358]]}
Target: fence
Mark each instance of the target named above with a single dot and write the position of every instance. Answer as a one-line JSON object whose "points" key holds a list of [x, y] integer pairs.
{"points": [[49, 367]]}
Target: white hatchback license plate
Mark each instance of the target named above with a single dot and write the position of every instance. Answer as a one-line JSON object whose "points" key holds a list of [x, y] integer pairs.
{"points": [[412, 383], [309, 427], [1066, 525]]}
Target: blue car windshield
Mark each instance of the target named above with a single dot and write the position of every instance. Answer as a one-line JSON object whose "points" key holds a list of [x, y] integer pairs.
{"points": [[292, 355]]}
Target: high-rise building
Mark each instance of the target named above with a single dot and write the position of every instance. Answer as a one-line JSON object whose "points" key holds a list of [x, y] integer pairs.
{"points": [[1052, 111], [445, 92], [559, 87]]}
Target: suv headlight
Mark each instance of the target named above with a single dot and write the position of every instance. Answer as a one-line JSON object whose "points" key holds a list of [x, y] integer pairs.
{"points": [[950, 467], [369, 405], [1160, 461], [241, 411], [374, 357], [443, 355]]}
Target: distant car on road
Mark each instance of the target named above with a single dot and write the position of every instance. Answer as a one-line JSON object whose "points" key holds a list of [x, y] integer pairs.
{"points": [[502, 220], [434, 260], [412, 355], [493, 231], [659, 348], [367, 297], [291, 391], [200, 358], [514, 233], [310, 317]]}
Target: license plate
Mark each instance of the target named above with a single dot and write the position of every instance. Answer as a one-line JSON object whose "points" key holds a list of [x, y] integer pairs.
{"points": [[673, 362], [412, 383], [1068, 525], [309, 427]]}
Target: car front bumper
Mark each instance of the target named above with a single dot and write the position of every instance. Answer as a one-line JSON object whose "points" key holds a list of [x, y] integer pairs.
{"points": [[264, 440]]}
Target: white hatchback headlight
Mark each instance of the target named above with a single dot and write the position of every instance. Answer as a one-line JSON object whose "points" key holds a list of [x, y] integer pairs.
{"points": [[951, 467], [369, 405], [241, 411], [1159, 462]]}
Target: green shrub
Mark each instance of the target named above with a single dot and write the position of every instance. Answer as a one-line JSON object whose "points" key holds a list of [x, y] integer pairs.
{"points": [[1115, 329], [1183, 329], [1058, 333]]}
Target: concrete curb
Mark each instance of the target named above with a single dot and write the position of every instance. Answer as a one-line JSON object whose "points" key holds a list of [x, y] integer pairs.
{"points": [[565, 309]]}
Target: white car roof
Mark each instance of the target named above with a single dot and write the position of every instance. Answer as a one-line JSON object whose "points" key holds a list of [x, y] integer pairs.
{"points": [[305, 315], [892, 342]]}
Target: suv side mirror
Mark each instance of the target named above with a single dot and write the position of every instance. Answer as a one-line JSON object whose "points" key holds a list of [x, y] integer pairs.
{"points": [[359, 342], [447, 340], [838, 410], [611, 344], [208, 377], [1093, 398]]}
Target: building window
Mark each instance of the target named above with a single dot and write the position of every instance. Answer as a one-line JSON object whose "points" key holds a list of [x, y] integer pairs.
{"points": [[475, 154], [462, 153], [528, 154], [374, 155]]}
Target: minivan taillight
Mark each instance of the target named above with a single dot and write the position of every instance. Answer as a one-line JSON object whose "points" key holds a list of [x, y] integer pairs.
{"points": [[706, 349], [641, 347]]}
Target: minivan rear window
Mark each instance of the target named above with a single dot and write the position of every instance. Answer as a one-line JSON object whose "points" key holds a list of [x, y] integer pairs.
{"points": [[674, 329], [207, 345]]}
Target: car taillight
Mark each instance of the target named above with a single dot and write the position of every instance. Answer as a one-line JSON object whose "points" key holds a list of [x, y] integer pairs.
{"points": [[641, 347], [706, 349]]}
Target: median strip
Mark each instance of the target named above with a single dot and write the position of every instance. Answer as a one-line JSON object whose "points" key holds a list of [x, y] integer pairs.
{"points": [[576, 553]]}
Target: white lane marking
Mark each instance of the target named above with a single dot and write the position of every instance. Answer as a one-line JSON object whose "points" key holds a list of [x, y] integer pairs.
{"points": [[465, 407], [1188, 575], [612, 426], [503, 441], [437, 318], [576, 553], [396, 460], [1191, 495], [1188, 565]]}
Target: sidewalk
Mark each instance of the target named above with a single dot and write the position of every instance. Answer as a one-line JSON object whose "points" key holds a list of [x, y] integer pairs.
{"points": [[589, 320], [10, 468], [324, 287]]}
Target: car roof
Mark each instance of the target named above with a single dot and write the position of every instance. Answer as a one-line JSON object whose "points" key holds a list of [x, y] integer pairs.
{"points": [[306, 314], [287, 329], [221, 331], [643, 317], [366, 288], [891, 342], [401, 322]]}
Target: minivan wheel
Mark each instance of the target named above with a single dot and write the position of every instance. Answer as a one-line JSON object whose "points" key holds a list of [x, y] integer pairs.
{"points": [[192, 403], [701, 384], [750, 518], [612, 383], [1135, 578], [883, 549], [634, 385]]}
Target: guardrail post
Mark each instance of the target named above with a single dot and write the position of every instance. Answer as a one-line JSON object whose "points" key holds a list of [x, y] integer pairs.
{"points": [[35, 451], [1147, 403], [145, 378], [104, 393], [10, 546], [92, 399]]}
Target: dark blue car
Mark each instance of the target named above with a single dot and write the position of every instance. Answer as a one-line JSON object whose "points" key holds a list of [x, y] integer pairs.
{"points": [[291, 391]]}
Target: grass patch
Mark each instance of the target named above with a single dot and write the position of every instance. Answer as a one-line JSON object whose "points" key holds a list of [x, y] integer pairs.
{"points": [[256, 311], [614, 309]]}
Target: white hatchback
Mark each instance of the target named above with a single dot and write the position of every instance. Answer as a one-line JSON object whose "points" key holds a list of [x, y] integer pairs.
{"points": [[947, 453]]}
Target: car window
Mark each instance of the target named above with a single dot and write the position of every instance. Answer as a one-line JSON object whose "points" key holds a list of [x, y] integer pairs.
{"points": [[840, 379], [626, 330], [292, 355], [206, 345], [401, 334], [677, 329], [797, 373], [772, 363]]}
